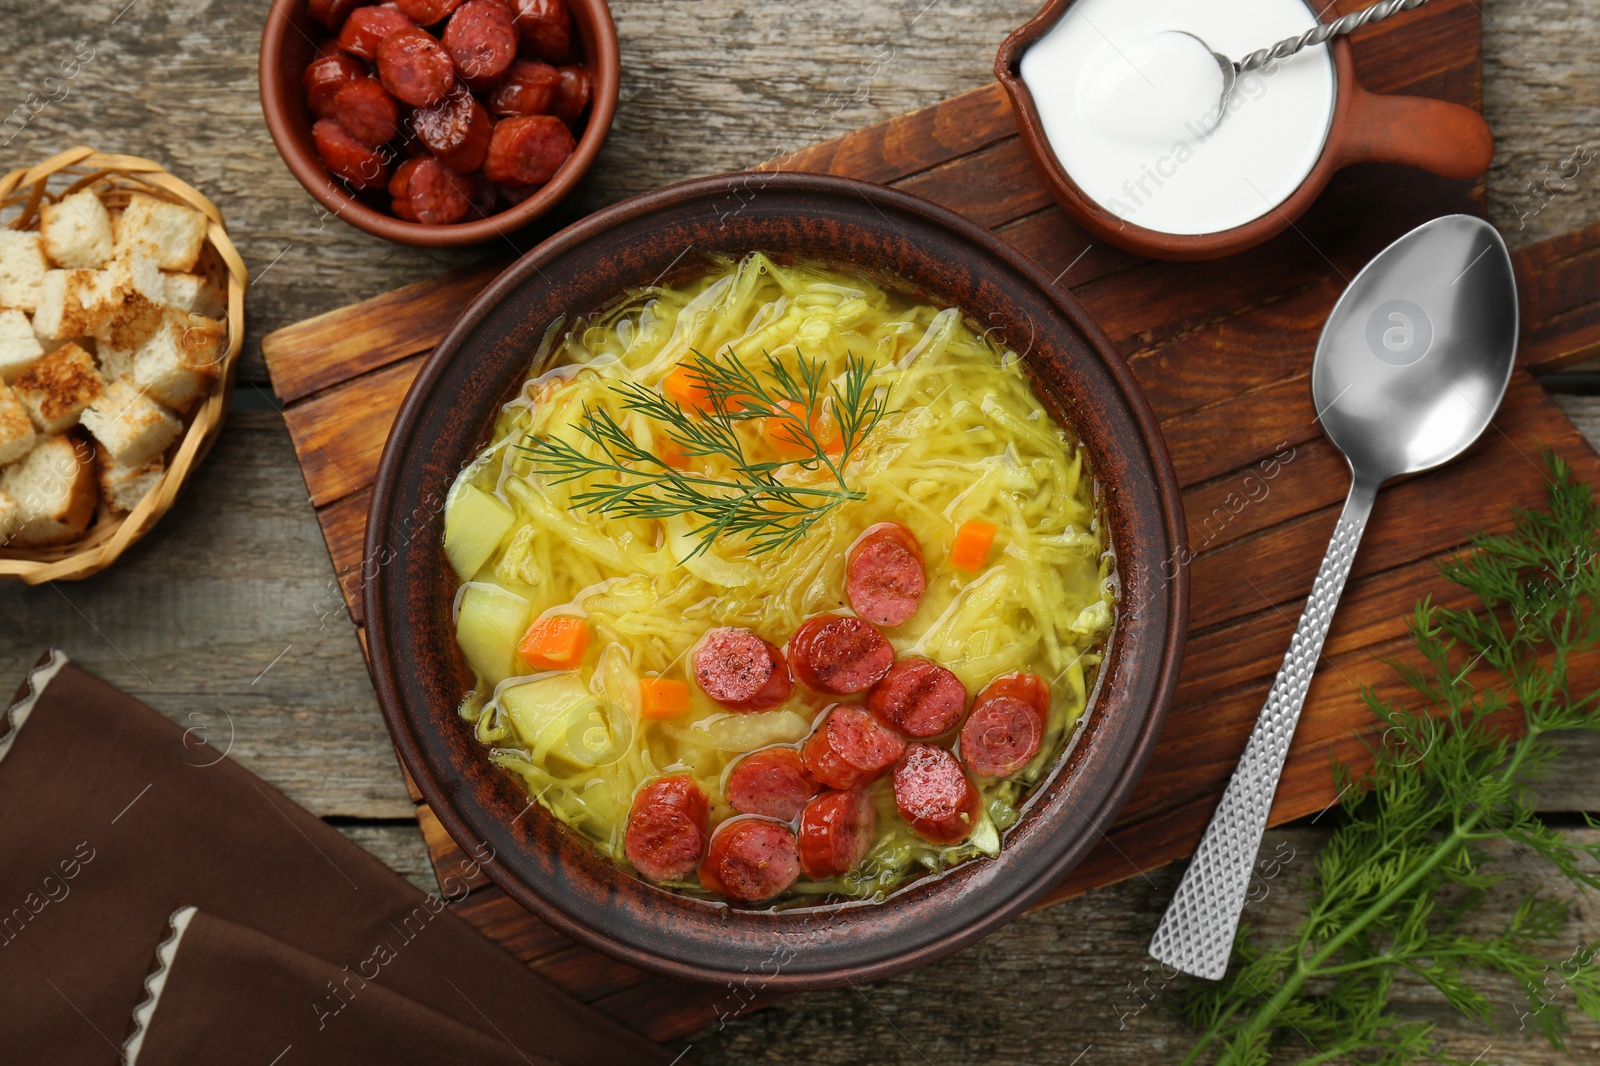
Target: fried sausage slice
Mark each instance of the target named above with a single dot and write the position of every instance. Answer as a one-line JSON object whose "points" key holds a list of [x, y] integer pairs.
{"points": [[934, 796]]}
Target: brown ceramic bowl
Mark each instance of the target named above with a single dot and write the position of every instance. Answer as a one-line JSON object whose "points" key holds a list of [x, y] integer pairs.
{"points": [[448, 414], [1437, 136], [287, 47]]}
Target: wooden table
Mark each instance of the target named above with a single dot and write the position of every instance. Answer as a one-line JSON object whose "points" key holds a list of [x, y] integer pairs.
{"points": [[229, 608]]}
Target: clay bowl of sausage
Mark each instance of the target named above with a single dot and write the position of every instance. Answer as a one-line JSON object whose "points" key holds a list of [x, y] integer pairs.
{"points": [[772, 573], [439, 122]]}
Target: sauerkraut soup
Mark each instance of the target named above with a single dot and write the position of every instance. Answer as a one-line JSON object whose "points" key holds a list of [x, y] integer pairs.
{"points": [[779, 585]]}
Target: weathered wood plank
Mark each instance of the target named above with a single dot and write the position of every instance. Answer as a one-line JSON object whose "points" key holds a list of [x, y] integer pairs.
{"points": [[1073, 981], [710, 85], [326, 350], [227, 618]]}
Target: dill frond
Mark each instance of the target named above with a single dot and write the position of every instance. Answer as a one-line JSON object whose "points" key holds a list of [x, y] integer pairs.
{"points": [[752, 503], [1407, 865]]}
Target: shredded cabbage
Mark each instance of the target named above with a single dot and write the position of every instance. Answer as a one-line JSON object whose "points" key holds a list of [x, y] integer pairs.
{"points": [[965, 438]]}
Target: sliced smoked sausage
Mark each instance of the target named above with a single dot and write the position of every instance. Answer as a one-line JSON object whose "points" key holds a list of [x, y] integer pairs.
{"points": [[427, 12], [918, 697], [528, 149], [850, 748], [471, 153], [884, 574], [332, 13], [839, 654], [482, 41], [1030, 688], [934, 796], [528, 88], [773, 783], [751, 859], [572, 94], [366, 27], [415, 68], [347, 158], [545, 27], [1006, 726], [736, 667], [331, 71], [443, 126], [836, 831], [366, 112], [667, 825], [427, 191]]}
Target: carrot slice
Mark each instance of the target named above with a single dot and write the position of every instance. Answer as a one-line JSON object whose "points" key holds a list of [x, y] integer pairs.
{"points": [[671, 453], [684, 386], [972, 543], [790, 443], [555, 643], [662, 697]]}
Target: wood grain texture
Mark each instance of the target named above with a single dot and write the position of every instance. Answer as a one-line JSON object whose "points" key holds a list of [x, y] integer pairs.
{"points": [[709, 85], [1258, 314]]}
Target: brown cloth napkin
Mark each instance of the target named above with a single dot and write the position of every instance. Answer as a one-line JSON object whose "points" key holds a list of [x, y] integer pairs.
{"points": [[200, 999], [115, 818]]}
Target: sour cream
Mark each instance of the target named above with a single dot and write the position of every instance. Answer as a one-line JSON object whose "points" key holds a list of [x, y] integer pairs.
{"points": [[1129, 103]]}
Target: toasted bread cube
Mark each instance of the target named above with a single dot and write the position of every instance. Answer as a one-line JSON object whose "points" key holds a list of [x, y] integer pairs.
{"points": [[9, 517], [191, 292], [19, 345], [132, 295], [181, 360], [16, 428], [131, 427], [54, 489], [69, 302], [77, 231], [171, 234], [57, 388], [22, 267], [122, 487], [115, 363]]}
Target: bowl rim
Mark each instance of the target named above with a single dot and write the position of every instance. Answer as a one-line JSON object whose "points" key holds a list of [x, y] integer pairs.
{"points": [[278, 101], [1151, 702]]}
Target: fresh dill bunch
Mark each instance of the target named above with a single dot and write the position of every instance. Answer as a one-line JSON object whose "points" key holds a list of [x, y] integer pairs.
{"points": [[628, 481], [1391, 888]]}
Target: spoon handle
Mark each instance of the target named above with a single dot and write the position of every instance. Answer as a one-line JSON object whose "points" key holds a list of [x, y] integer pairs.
{"points": [[1337, 28], [1196, 933]]}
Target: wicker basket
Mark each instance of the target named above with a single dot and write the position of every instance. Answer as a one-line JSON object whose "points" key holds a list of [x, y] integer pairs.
{"points": [[114, 177]]}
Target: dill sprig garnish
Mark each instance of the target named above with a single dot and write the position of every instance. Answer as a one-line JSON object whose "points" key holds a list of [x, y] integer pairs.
{"points": [[630, 481], [1392, 888]]}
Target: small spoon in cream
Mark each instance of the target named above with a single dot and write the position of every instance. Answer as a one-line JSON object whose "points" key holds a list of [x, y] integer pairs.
{"points": [[1287, 47]]}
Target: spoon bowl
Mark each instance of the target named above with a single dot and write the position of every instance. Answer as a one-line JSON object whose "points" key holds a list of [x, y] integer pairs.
{"points": [[1418, 351], [1410, 369]]}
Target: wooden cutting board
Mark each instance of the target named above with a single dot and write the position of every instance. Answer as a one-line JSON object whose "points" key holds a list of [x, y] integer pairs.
{"points": [[1223, 350]]}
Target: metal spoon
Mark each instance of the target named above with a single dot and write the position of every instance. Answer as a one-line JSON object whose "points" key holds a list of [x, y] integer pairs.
{"points": [[1291, 45], [1410, 369]]}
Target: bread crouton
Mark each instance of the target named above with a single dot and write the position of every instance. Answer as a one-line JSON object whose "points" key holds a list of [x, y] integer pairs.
{"points": [[191, 292], [16, 428], [122, 487], [69, 300], [57, 388], [115, 363], [54, 489], [22, 267], [19, 345], [8, 517], [132, 296], [171, 234], [77, 231], [131, 427], [181, 360]]}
